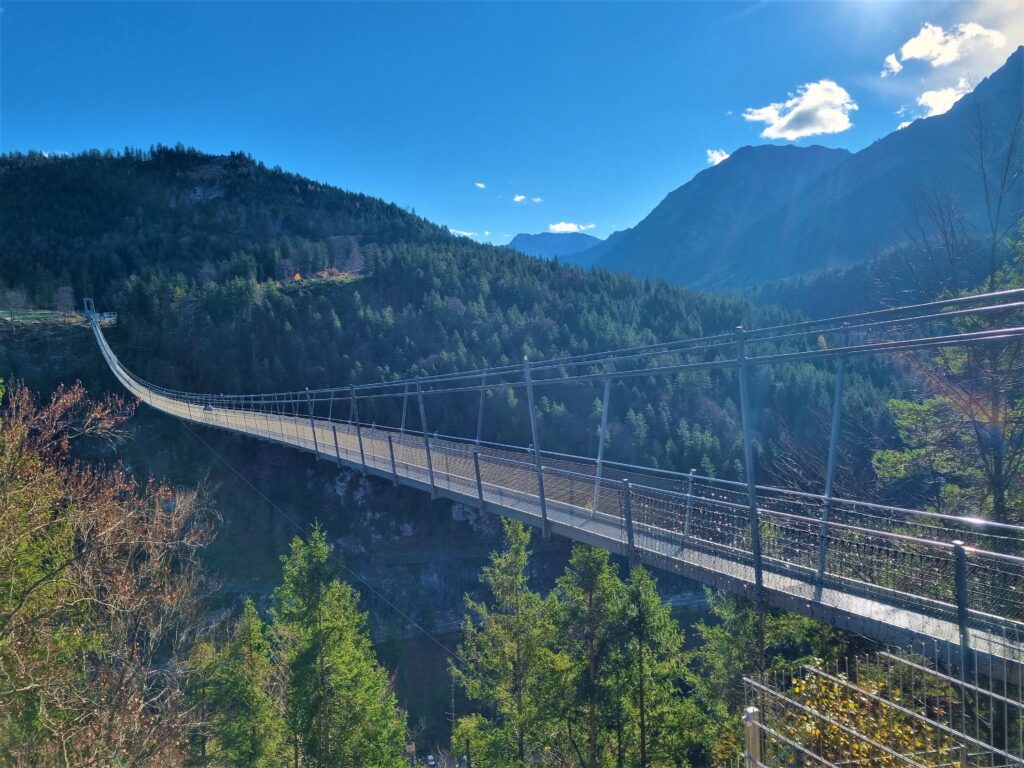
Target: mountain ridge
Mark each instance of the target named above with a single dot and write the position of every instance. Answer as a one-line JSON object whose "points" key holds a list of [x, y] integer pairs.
{"points": [[567, 247], [832, 215]]}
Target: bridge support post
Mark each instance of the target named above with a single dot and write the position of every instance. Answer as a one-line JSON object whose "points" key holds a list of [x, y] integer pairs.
{"points": [[359, 431], [627, 511], [689, 507], [536, 449], [830, 471], [962, 611], [748, 470], [312, 425], [479, 480], [426, 438], [394, 466], [752, 737], [405, 407], [480, 409], [337, 450], [601, 436]]}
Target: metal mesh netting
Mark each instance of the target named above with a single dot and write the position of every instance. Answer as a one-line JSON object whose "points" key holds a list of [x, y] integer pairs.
{"points": [[885, 709]]}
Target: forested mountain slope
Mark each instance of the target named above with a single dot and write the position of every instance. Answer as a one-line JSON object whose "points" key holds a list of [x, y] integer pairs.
{"points": [[688, 238], [95, 220], [200, 255]]}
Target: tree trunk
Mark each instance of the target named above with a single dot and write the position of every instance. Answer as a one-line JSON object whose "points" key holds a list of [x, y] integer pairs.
{"points": [[643, 704], [592, 672]]}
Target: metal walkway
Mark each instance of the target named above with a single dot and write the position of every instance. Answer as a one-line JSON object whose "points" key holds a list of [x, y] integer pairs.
{"points": [[908, 578]]}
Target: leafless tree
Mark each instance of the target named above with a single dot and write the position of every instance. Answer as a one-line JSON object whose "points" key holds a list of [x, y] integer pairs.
{"points": [[983, 384], [100, 591]]}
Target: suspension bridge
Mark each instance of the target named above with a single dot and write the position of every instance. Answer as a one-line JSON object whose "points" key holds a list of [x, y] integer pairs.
{"points": [[950, 585]]}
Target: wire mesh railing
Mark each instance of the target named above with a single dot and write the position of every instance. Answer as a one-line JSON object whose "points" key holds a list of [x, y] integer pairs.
{"points": [[906, 708], [809, 547]]}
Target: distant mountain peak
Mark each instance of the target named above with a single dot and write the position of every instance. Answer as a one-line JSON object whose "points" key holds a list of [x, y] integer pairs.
{"points": [[568, 247], [773, 211]]}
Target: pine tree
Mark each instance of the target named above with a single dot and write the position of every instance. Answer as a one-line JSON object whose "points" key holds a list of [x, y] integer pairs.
{"points": [[586, 608], [504, 657], [653, 653], [246, 728], [340, 707]]}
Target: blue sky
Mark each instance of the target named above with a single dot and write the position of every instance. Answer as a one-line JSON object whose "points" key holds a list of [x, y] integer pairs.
{"points": [[590, 112]]}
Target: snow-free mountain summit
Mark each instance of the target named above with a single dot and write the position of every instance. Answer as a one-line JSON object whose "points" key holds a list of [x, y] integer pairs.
{"points": [[769, 212]]}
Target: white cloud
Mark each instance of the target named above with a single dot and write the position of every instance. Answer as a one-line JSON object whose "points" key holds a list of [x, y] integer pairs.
{"points": [[1007, 18], [715, 156], [479, 185], [487, 233], [461, 232], [903, 125], [935, 45], [816, 108], [892, 65], [518, 198], [537, 199], [568, 226], [941, 100]]}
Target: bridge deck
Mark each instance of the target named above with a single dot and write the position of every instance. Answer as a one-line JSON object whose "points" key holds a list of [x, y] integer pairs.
{"points": [[709, 549]]}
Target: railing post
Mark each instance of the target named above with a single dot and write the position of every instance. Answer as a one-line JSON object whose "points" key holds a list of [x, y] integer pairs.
{"points": [[627, 510], [359, 431], [426, 438], [962, 611], [337, 450], [536, 449], [604, 429], [394, 466], [480, 409], [830, 471], [689, 506], [479, 480], [312, 424], [752, 737], [748, 467]]}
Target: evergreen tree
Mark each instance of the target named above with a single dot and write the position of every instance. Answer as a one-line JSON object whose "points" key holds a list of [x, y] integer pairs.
{"points": [[504, 655], [653, 653], [246, 728], [340, 706], [587, 607]]}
